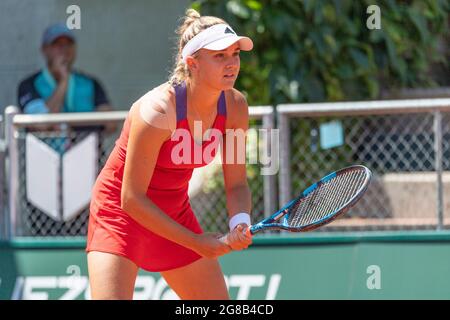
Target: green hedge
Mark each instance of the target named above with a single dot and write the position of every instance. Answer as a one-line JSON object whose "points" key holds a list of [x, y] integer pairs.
{"points": [[322, 50]]}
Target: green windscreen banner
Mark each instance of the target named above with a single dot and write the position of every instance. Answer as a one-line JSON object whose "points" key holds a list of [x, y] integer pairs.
{"points": [[407, 265]]}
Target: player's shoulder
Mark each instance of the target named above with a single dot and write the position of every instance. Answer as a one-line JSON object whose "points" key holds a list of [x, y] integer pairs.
{"points": [[237, 105], [157, 106], [237, 109], [161, 97], [236, 98]]}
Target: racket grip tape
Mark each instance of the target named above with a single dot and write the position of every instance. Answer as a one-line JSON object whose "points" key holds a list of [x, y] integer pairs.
{"points": [[246, 231]]}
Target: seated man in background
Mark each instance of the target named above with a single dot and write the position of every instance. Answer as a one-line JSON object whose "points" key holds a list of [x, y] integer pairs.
{"points": [[57, 87]]}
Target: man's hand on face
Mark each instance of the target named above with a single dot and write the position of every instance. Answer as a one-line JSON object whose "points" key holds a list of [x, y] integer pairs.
{"points": [[60, 55], [60, 68]]}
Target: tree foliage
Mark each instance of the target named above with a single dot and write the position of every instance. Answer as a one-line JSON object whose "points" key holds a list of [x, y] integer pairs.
{"points": [[317, 50]]}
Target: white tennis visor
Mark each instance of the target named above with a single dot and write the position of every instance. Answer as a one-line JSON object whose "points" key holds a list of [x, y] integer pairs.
{"points": [[216, 37]]}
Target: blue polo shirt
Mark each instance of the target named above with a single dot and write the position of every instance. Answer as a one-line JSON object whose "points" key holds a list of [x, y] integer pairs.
{"points": [[84, 93]]}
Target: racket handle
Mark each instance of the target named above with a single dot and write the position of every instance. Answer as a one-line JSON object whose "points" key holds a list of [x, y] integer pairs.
{"points": [[246, 231]]}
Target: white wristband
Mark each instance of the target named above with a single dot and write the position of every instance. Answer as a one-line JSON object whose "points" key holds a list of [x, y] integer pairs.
{"points": [[238, 219]]}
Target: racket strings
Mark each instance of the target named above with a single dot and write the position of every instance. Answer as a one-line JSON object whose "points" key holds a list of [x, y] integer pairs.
{"points": [[309, 204], [327, 198], [335, 196], [349, 185], [349, 180], [321, 209]]}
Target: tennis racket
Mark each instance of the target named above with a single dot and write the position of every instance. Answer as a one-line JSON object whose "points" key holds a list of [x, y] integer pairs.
{"points": [[319, 204]]}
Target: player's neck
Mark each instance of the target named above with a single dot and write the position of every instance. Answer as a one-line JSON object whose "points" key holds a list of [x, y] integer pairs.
{"points": [[203, 97]]}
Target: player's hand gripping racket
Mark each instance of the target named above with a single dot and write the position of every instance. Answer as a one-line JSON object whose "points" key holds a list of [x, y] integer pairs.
{"points": [[319, 204]]}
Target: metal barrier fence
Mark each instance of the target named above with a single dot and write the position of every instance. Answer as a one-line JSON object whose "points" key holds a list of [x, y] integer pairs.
{"points": [[59, 133], [404, 142]]}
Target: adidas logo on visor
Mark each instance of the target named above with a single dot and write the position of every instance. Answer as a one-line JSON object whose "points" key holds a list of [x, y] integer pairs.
{"points": [[228, 30]]}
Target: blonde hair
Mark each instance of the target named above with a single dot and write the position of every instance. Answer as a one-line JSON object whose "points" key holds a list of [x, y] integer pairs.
{"points": [[192, 25]]}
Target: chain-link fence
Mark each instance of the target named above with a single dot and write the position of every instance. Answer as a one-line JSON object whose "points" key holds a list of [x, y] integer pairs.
{"points": [[31, 221], [64, 133], [400, 148]]}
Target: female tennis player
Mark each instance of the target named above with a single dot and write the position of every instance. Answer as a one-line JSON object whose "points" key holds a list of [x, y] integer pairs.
{"points": [[140, 213]]}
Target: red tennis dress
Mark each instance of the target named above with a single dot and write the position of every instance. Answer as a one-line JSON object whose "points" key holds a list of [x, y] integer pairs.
{"points": [[112, 230]]}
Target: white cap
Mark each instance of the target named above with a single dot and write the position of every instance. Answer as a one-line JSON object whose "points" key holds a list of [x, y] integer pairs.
{"points": [[216, 37]]}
